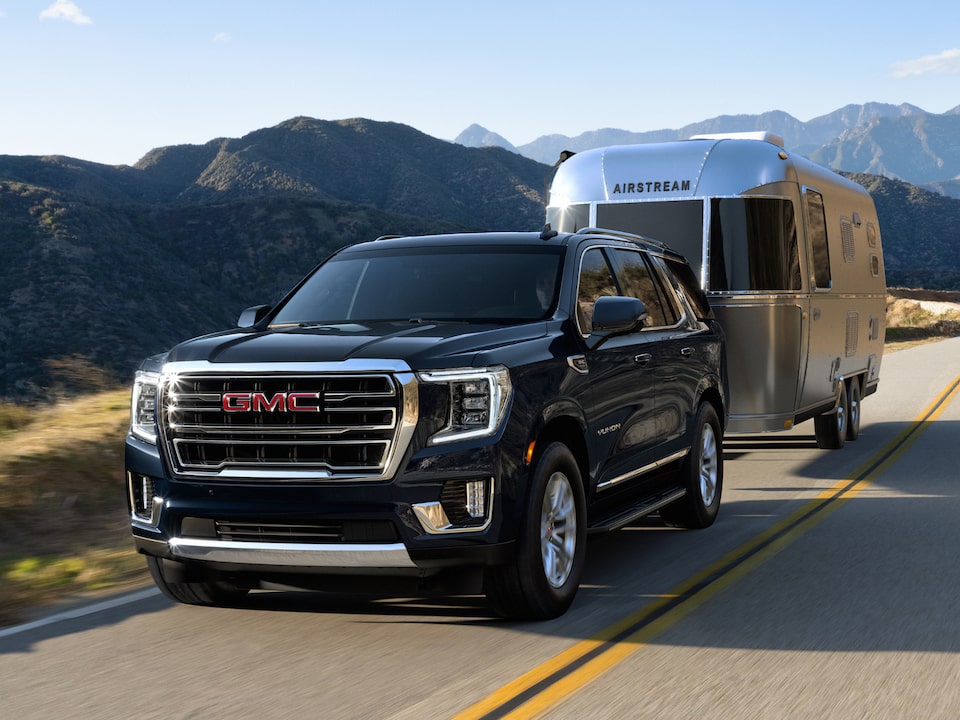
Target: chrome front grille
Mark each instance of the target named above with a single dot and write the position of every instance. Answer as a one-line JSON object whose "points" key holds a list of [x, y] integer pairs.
{"points": [[282, 426]]}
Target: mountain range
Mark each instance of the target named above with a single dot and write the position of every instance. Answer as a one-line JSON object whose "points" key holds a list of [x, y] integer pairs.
{"points": [[902, 142], [114, 263]]}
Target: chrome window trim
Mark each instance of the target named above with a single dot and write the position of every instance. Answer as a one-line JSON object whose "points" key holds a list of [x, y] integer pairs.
{"points": [[683, 322]]}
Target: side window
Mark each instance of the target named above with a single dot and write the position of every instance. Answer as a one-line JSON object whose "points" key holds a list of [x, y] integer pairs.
{"points": [[690, 286], [638, 282], [817, 235], [596, 280]]}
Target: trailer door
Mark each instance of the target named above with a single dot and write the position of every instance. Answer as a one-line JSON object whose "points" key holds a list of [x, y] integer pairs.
{"points": [[754, 286], [825, 328]]}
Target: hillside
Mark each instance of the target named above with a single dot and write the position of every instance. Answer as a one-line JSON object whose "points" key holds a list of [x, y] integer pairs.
{"points": [[919, 228], [117, 263]]}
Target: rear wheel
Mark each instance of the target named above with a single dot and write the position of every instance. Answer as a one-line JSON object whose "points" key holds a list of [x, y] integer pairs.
{"points": [[702, 473], [853, 415], [544, 575], [202, 592], [831, 427]]}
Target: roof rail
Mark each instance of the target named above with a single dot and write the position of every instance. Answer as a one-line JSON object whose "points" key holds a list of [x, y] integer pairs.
{"points": [[388, 237], [623, 235]]}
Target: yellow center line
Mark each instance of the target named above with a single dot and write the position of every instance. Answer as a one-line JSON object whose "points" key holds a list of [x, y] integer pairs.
{"points": [[543, 687]]}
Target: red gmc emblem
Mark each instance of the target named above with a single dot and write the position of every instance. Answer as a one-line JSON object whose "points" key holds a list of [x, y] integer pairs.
{"points": [[279, 402]]}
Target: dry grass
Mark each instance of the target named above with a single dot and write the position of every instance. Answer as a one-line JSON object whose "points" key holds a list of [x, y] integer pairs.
{"points": [[915, 317], [63, 517]]}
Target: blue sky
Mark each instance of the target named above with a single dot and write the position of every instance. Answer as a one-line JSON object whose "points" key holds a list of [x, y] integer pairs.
{"points": [[108, 80]]}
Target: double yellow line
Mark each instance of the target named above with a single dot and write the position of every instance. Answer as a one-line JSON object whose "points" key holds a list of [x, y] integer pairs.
{"points": [[540, 689]]}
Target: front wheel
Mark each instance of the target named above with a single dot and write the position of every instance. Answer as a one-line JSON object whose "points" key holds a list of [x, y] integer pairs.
{"points": [[544, 575], [702, 475], [200, 592]]}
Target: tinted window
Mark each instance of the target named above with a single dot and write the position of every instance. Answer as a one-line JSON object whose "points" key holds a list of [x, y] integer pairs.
{"points": [[638, 282], [753, 245], [690, 286], [451, 283], [596, 280]]}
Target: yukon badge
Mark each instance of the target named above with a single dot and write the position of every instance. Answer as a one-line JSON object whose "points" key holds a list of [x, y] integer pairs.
{"points": [[279, 402], [607, 430]]}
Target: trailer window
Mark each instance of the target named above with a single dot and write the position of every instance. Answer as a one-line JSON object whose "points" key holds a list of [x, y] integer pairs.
{"points": [[677, 223], [817, 233], [753, 245], [569, 218]]}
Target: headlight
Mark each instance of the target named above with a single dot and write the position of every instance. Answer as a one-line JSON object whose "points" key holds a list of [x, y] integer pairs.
{"points": [[479, 398], [143, 406]]}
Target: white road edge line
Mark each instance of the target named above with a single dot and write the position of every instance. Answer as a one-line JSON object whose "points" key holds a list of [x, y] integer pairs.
{"points": [[81, 611]]}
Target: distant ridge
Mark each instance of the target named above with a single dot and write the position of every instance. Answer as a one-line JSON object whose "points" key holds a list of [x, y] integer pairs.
{"points": [[477, 136], [898, 141]]}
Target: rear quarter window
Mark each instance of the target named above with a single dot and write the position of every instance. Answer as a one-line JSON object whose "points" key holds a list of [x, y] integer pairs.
{"points": [[690, 287]]}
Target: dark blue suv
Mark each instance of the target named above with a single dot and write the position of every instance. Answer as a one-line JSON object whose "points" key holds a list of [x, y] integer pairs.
{"points": [[452, 411]]}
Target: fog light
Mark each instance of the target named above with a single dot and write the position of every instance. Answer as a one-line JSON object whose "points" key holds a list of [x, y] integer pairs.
{"points": [[464, 506], [476, 499], [145, 505]]}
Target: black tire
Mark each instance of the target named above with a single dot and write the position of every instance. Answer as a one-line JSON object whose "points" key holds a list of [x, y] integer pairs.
{"points": [[702, 475], [209, 592], [544, 575], [831, 427], [853, 409]]}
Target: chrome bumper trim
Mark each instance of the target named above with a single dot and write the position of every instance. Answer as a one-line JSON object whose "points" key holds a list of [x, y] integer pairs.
{"points": [[393, 555]]}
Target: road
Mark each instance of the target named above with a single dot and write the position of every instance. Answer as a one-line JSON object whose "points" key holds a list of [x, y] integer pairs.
{"points": [[828, 588]]}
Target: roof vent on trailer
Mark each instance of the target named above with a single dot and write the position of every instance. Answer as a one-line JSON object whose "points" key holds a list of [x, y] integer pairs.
{"points": [[762, 135]]}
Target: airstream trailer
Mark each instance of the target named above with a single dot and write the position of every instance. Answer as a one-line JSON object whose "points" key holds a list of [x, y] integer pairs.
{"points": [[788, 252]]}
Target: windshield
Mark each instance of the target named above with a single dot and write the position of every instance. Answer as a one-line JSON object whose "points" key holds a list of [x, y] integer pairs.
{"points": [[474, 284]]}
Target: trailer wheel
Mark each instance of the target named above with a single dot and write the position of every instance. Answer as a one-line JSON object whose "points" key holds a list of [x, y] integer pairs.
{"points": [[542, 578], [853, 413], [209, 592], [831, 427]]}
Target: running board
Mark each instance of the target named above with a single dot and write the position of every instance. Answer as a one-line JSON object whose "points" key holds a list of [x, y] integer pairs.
{"points": [[636, 512]]}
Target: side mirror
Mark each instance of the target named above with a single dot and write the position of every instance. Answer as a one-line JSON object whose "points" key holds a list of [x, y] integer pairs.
{"points": [[253, 315], [615, 315]]}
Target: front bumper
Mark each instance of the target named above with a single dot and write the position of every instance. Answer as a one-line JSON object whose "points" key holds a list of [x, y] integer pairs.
{"points": [[353, 528]]}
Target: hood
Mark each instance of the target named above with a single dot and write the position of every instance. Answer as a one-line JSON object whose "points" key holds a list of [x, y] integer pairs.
{"points": [[420, 346]]}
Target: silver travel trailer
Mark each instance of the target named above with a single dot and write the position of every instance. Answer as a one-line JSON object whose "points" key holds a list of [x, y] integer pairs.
{"points": [[788, 252]]}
